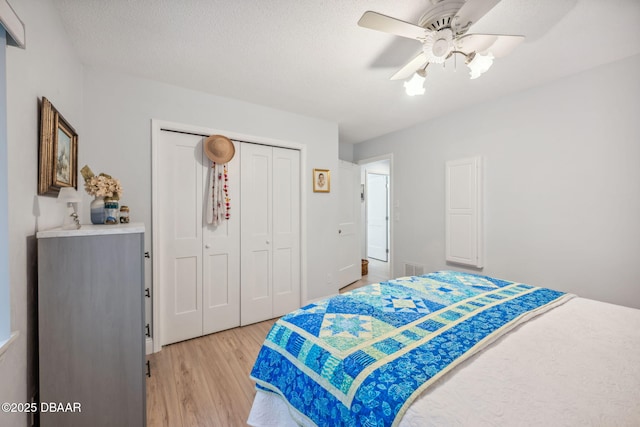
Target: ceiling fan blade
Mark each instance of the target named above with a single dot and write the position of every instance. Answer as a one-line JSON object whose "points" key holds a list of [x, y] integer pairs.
{"points": [[475, 42], [387, 24], [504, 45], [498, 45], [471, 12], [411, 67]]}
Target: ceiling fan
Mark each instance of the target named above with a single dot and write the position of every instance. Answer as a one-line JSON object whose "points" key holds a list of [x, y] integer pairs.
{"points": [[442, 30]]}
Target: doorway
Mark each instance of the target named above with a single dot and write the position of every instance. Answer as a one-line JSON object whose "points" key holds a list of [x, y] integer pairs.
{"points": [[377, 186], [377, 212]]}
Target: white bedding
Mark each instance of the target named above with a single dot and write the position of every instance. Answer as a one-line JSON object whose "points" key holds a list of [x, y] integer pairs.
{"points": [[576, 365]]}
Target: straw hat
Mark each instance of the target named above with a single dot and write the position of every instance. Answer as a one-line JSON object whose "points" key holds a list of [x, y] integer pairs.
{"points": [[219, 148]]}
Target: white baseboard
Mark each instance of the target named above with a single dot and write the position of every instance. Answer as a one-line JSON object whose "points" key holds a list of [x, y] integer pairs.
{"points": [[148, 345]]}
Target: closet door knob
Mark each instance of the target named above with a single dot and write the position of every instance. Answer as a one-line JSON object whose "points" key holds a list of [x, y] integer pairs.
{"points": [[267, 242], [207, 246]]}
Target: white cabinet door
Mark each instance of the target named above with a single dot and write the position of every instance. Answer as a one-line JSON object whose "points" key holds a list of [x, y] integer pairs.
{"points": [[349, 260], [180, 235], [270, 234]]}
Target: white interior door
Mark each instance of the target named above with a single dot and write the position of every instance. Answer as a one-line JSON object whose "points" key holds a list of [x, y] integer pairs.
{"points": [[286, 231], [221, 258], [350, 266], [199, 263], [180, 235], [257, 233], [270, 235], [377, 216]]}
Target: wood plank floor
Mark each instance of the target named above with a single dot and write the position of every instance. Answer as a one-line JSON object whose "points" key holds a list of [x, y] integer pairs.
{"points": [[205, 381]]}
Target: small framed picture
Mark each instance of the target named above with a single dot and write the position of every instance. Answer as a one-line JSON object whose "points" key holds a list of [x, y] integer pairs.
{"points": [[58, 153], [321, 180]]}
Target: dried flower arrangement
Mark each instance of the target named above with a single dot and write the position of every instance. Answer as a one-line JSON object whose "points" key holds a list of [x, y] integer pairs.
{"points": [[102, 185]]}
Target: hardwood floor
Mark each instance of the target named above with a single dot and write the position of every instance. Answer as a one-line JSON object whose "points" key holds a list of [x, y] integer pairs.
{"points": [[205, 381], [378, 272]]}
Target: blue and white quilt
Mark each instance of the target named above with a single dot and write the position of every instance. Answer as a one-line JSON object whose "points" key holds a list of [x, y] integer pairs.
{"points": [[361, 358]]}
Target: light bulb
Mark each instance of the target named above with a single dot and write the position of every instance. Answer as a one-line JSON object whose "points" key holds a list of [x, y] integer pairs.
{"points": [[479, 64], [415, 86]]}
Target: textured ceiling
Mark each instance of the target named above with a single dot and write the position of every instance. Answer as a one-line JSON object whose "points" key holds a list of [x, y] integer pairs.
{"points": [[310, 57]]}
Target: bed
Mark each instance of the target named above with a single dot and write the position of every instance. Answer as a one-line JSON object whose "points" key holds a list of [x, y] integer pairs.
{"points": [[450, 348]]}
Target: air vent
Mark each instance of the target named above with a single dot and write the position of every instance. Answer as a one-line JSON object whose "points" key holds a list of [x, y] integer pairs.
{"points": [[411, 269]]}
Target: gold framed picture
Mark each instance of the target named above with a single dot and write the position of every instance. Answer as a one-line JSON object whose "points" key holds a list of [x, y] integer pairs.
{"points": [[321, 181], [58, 152]]}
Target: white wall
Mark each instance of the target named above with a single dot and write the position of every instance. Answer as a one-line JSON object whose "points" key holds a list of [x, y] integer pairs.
{"points": [[345, 152], [119, 110], [48, 67], [562, 183]]}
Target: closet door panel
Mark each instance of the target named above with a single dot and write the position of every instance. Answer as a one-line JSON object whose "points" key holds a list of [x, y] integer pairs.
{"points": [[286, 230], [221, 292], [185, 192], [185, 292], [256, 234], [217, 280], [283, 280], [180, 234], [259, 279], [259, 190], [221, 252]]}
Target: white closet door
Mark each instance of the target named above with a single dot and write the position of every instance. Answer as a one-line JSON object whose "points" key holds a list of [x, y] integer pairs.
{"points": [[270, 235], [256, 234], [221, 258], [286, 231], [180, 234]]}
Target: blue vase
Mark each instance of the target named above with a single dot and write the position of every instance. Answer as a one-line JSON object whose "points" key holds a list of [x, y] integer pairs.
{"points": [[97, 210]]}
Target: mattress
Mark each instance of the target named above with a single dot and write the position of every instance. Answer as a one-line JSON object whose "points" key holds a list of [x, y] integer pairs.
{"points": [[578, 364]]}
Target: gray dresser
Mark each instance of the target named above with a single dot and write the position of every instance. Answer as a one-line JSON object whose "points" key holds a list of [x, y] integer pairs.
{"points": [[91, 326]]}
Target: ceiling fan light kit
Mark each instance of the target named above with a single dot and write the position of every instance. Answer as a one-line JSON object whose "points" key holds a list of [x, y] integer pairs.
{"points": [[479, 64], [415, 86], [442, 31]]}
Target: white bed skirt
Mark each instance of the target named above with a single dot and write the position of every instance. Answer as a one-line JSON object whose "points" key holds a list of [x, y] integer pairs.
{"points": [[576, 365]]}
